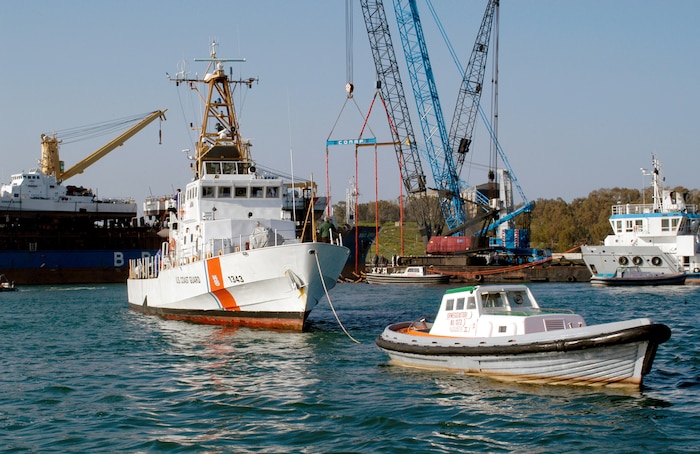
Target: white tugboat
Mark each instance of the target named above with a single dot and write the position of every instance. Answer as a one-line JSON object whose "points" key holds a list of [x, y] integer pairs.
{"points": [[501, 331], [661, 238], [231, 255]]}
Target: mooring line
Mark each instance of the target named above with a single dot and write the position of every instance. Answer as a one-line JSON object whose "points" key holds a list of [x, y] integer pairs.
{"points": [[330, 303]]}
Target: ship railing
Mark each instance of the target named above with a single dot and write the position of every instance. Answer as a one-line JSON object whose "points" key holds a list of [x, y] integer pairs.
{"points": [[145, 267], [645, 208], [222, 246], [633, 208]]}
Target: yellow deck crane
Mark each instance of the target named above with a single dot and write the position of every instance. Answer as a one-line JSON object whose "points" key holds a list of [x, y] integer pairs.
{"points": [[51, 162]]}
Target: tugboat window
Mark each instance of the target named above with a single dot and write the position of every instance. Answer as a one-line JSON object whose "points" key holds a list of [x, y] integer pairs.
{"points": [[241, 192]]}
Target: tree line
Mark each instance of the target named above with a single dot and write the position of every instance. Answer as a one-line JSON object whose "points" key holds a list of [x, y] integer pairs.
{"points": [[553, 223]]}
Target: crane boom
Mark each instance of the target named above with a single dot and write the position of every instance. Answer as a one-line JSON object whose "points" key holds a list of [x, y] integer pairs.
{"points": [[117, 142], [430, 113], [469, 96], [391, 89]]}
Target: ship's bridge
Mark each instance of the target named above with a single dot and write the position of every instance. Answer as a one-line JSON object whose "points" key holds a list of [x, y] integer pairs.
{"points": [[233, 190]]}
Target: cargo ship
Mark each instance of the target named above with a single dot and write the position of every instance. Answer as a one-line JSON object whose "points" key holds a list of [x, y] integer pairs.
{"points": [[53, 233]]}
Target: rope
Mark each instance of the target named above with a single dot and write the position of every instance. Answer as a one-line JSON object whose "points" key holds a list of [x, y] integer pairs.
{"points": [[485, 272], [325, 289]]}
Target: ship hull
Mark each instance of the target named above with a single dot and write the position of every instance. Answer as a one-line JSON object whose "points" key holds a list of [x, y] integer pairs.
{"points": [[605, 260], [52, 267], [273, 287]]}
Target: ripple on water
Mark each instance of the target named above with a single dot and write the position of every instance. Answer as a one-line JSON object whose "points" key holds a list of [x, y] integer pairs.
{"points": [[83, 373]]}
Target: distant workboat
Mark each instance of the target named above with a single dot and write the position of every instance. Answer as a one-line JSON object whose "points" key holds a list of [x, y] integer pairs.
{"points": [[412, 275], [232, 256], [6, 285], [501, 331], [658, 238]]}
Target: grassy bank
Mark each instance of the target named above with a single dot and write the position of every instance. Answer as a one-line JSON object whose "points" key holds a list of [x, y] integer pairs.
{"points": [[389, 240]]}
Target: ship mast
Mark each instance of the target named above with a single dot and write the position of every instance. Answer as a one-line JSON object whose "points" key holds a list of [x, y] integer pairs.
{"points": [[656, 185], [219, 136]]}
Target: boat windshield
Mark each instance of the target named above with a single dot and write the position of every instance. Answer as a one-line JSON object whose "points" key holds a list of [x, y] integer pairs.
{"points": [[492, 300], [506, 301], [519, 300]]}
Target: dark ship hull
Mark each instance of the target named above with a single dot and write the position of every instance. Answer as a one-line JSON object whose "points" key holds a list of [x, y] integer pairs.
{"points": [[55, 248]]}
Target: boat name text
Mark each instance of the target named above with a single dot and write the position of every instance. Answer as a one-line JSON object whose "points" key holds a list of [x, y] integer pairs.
{"points": [[187, 280]]}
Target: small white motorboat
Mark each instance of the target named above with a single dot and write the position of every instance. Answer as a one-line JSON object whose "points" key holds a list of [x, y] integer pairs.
{"points": [[414, 275], [6, 285], [501, 331]]}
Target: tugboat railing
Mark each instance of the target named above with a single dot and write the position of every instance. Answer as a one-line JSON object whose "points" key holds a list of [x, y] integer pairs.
{"points": [[647, 208]]}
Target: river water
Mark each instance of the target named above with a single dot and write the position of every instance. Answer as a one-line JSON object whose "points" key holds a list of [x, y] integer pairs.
{"points": [[81, 372]]}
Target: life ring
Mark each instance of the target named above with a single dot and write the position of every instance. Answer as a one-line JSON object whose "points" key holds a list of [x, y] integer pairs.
{"points": [[478, 278], [571, 279], [696, 270], [637, 260], [623, 260], [656, 261]]}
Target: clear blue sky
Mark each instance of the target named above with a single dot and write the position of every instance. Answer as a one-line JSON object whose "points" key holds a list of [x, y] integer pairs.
{"points": [[588, 90]]}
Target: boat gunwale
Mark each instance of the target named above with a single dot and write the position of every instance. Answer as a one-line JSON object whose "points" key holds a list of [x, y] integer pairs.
{"points": [[654, 333]]}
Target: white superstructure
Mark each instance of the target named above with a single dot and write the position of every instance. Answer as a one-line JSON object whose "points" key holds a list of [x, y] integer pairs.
{"points": [[35, 191]]}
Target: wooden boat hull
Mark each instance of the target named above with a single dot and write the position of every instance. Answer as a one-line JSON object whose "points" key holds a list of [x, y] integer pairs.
{"points": [[614, 354]]}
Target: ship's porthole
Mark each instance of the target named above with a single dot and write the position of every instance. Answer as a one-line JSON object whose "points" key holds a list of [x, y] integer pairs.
{"points": [[623, 261], [656, 261], [637, 260]]}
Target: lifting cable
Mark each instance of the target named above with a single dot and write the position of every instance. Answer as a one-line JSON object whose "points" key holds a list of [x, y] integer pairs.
{"points": [[91, 131]]}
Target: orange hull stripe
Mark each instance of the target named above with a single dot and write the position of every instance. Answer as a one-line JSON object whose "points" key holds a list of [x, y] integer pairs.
{"points": [[217, 286]]}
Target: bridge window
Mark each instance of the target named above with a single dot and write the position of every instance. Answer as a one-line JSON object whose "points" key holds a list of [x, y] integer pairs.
{"points": [[208, 191], [272, 192], [256, 192], [213, 168], [225, 192], [449, 305], [241, 192], [229, 168], [674, 223]]}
